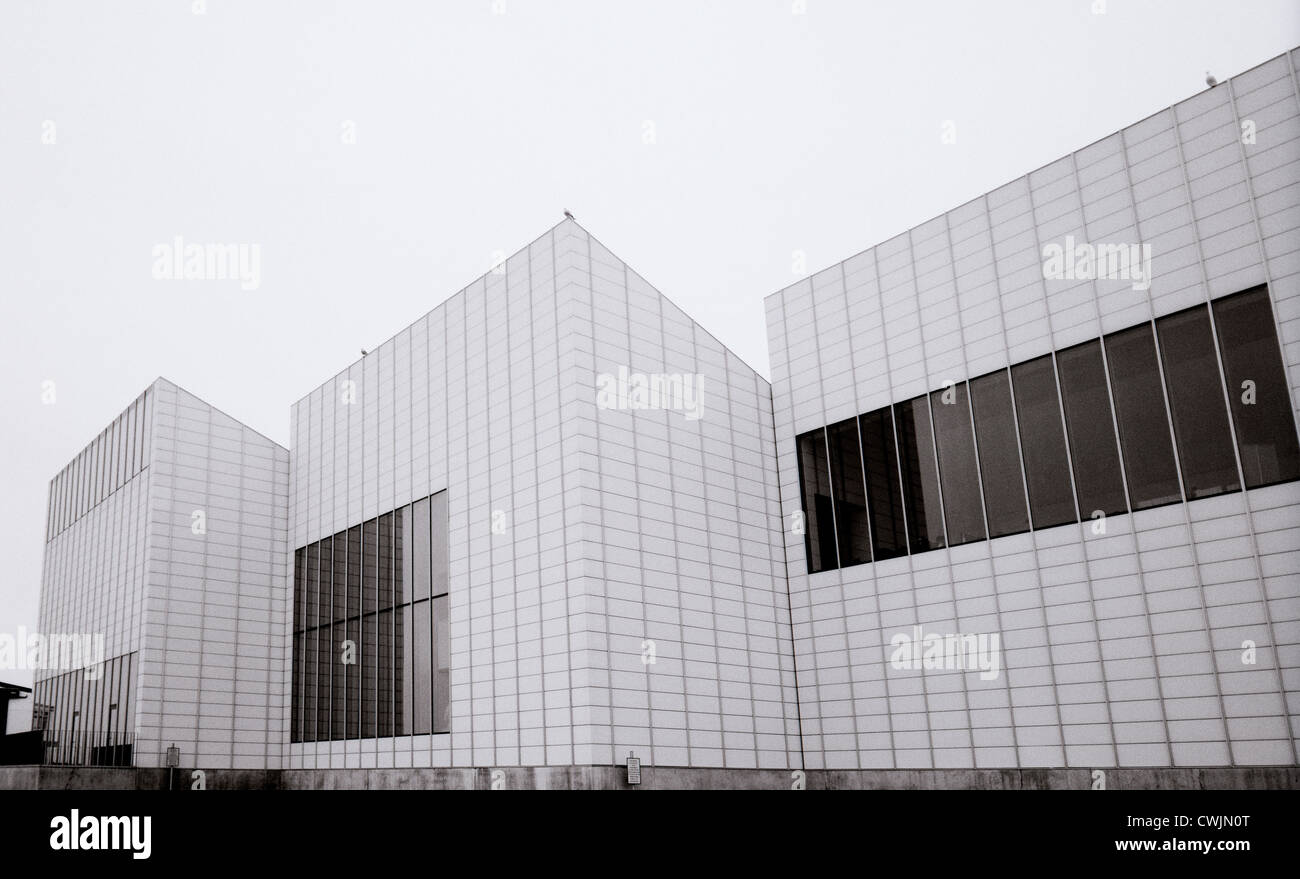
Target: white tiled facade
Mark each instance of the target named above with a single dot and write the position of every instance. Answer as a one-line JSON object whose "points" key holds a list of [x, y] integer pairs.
{"points": [[643, 590], [619, 527], [1122, 649], [214, 652], [203, 611]]}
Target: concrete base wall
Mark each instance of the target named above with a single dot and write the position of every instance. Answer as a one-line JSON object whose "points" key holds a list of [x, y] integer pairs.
{"points": [[652, 778]]}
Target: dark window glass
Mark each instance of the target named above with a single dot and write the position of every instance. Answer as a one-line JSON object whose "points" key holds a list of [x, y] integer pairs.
{"points": [[299, 660], [386, 661], [337, 669], [352, 670], [354, 572], [423, 687], [296, 732], [1196, 402], [368, 669], [420, 549], [340, 593], [320, 641], [815, 478], [387, 658], [1042, 443], [403, 684], [385, 550], [1097, 477], [325, 613], [958, 472], [1258, 394], [920, 475], [389, 685], [369, 566], [367, 647], [851, 524], [441, 666], [438, 555], [401, 556], [884, 494], [352, 680], [995, 428], [309, 653], [1143, 422]]}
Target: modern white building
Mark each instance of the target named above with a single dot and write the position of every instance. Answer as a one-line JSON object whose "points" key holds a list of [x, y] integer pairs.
{"points": [[166, 537], [1089, 508], [554, 523]]}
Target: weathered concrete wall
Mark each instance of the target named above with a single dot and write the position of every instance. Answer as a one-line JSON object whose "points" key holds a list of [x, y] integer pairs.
{"points": [[652, 778]]}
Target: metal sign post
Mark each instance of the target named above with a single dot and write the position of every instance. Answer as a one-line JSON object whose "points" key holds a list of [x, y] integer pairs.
{"points": [[173, 760]]}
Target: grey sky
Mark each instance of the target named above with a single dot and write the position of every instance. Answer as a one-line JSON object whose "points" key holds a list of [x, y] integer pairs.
{"points": [[772, 132]]}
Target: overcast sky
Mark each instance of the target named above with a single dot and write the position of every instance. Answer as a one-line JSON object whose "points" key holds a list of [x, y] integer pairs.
{"points": [[703, 142]]}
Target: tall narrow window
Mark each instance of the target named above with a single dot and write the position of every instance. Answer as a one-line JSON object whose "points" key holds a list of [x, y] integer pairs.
{"points": [[352, 670], [1097, 476], [999, 452], [338, 634], [958, 472], [423, 685], [402, 622], [441, 666], [299, 662], [884, 494], [387, 657], [852, 526], [1196, 403], [1258, 393], [819, 524], [438, 555], [419, 535], [920, 475], [1143, 422], [321, 556], [368, 646], [1042, 442]]}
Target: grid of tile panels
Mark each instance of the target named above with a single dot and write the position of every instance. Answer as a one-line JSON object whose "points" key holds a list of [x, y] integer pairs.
{"points": [[1122, 648], [370, 644], [214, 654], [110, 461], [468, 400], [92, 580], [491, 398], [684, 578], [995, 451]]}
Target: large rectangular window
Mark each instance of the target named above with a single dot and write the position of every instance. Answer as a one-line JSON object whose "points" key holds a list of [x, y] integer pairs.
{"points": [[920, 475], [852, 527], [1196, 403], [1042, 443], [1133, 420], [958, 472], [1097, 476], [1259, 396], [884, 493], [1143, 421], [819, 524], [354, 586], [999, 453]]}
